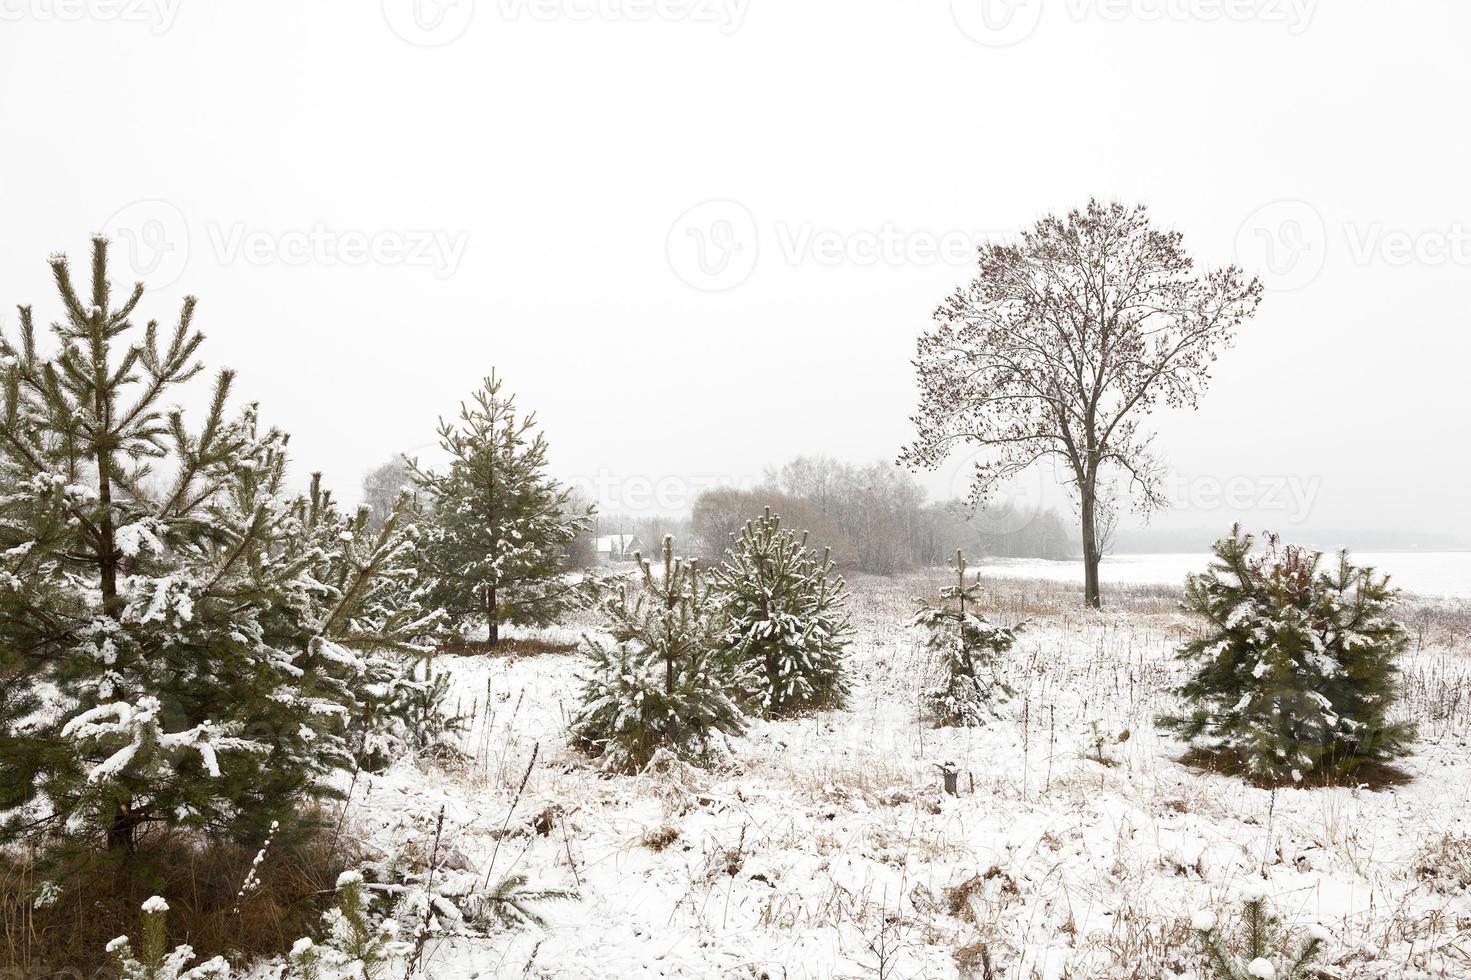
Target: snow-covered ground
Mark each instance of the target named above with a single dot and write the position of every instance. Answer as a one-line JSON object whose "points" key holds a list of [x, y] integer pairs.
{"points": [[825, 849], [1427, 573]]}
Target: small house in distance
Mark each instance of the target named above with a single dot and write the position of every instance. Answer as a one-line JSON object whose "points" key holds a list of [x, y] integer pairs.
{"points": [[616, 547]]}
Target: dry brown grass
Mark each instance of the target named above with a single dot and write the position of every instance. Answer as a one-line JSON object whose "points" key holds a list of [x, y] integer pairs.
{"points": [[1371, 775], [1445, 864], [1148, 944], [1432, 622], [660, 837], [98, 895]]}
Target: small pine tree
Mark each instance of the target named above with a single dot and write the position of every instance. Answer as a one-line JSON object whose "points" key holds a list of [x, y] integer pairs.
{"points": [[431, 726], [154, 960], [785, 619], [512, 903], [353, 945], [1294, 672], [1256, 958], [501, 526], [969, 691], [662, 683]]}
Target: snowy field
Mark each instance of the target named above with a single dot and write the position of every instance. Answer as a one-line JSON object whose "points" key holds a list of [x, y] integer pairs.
{"points": [[1426, 573], [825, 849]]}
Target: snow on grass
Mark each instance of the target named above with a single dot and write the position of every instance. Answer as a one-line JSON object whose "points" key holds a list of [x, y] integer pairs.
{"points": [[824, 848]]}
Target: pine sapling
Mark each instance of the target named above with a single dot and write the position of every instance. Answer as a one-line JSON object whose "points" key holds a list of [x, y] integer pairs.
{"points": [[1294, 671], [785, 619], [500, 526], [353, 944], [153, 960], [1256, 956], [662, 683], [969, 691], [511, 903]]}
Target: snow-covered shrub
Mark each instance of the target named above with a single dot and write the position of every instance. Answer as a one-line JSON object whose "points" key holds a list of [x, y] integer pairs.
{"points": [[663, 682], [353, 945], [153, 960], [1295, 671], [969, 690], [785, 622], [213, 645], [1256, 956], [432, 726], [445, 896]]}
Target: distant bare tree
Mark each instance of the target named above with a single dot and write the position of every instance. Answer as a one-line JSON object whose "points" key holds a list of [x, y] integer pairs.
{"points": [[720, 513], [1064, 341], [381, 488], [817, 479], [582, 549]]}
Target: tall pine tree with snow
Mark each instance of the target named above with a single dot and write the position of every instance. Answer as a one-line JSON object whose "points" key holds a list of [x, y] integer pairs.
{"points": [[1294, 672], [200, 642], [969, 691], [663, 682], [501, 525], [785, 617]]}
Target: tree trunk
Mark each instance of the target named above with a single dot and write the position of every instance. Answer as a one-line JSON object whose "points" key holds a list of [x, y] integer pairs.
{"points": [[1089, 508], [107, 554], [492, 621], [120, 832]]}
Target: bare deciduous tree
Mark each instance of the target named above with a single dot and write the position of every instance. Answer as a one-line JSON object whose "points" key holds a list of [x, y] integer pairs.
{"points": [[1062, 344], [382, 488]]}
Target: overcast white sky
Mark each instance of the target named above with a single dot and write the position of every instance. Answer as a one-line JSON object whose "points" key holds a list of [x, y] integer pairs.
{"points": [[534, 181]]}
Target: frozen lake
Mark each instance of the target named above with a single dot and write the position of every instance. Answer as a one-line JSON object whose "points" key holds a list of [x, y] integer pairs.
{"points": [[1430, 573]]}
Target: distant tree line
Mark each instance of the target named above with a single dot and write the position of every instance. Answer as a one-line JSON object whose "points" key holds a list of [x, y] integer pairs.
{"points": [[877, 519]]}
